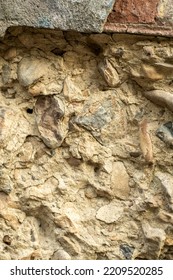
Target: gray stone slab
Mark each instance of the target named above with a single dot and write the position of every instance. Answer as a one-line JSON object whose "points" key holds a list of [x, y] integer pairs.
{"points": [[79, 15]]}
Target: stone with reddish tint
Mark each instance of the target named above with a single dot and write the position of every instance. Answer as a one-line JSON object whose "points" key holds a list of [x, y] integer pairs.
{"points": [[134, 11], [141, 17]]}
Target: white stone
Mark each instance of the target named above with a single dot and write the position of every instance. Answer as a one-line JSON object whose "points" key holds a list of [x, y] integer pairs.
{"points": [[110, 213], [120, 181]]}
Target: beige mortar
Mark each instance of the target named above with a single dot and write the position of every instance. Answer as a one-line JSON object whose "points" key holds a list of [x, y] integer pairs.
{"points": [[67, 120]]}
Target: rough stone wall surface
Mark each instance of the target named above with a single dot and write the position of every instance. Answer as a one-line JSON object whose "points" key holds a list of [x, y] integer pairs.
{"points": [[79, 15], [86, 139]]}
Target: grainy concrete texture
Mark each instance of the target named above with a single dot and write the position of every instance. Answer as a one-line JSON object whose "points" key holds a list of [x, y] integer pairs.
{"points": [[86, 138]]}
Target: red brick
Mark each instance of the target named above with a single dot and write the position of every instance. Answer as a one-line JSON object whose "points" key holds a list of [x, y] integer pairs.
{"points": [[134, 11], [141, 17]]}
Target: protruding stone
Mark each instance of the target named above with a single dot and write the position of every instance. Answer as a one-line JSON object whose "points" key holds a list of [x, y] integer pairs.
{"points": [[156, 239], [151, 73], [109, 73], [10, 53], [120, 181], [70, 245], [71, 92], [95, 115], [166, 181], [165, 133], [61, 255], [165, 216], [110, 213], [38, 89], [30, 70], [11, 122], [5, 184], [49, 112]]}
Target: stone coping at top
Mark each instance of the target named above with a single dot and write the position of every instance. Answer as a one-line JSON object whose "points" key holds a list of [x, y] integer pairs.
{"points": [[79, 15]]}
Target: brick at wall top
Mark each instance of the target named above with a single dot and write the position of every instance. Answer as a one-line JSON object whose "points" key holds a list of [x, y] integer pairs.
{"points": [[142, 17], [130, 16]]}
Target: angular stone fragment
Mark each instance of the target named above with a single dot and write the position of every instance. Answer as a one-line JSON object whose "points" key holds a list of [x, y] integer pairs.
{"points": [[120, 181], [38, 89], [10, 53], [166, 181], [6, 74], [110, 213], [153, 233], [109, 73], [49, 112], [5, 184], [155, 240], [65, 223], [71, 92], [31, 70], [127, 251], [71, 246], [146, 71], [165, 11], [13, 128], [165, 133], [160, 97], [145, 142], [164, 66], [165, 216], [95, 115]]}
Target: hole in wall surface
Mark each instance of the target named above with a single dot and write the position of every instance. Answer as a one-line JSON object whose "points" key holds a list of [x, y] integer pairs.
{"points": [[29, 110]]}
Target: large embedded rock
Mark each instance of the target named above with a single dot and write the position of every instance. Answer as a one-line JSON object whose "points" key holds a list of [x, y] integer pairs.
{"points": [[110, 213], [79, 15], [166, 182], [30, 70], [156, 239], [120, 181], [49, 114]]}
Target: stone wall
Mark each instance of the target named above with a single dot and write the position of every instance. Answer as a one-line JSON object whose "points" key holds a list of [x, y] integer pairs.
{"points": [[86, 139]]}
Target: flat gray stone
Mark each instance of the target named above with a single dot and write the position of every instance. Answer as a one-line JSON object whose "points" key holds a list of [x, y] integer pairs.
{"points": [[79, 15]]}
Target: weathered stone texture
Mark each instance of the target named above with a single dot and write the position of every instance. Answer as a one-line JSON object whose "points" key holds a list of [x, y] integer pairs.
{"points": [[86, 139], [165, 12], [141, 17], [79, 15], [134, 11]]}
